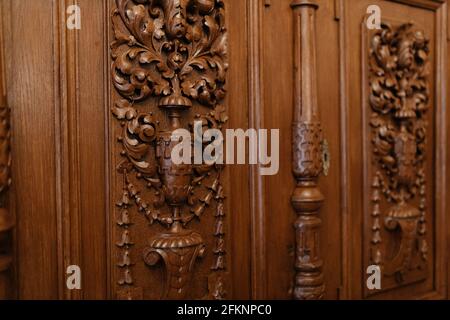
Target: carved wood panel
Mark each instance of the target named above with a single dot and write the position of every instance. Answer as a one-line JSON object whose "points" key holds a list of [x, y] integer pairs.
{"points": [[396, 164], [141, 227], [169, 71], [399, 98]]}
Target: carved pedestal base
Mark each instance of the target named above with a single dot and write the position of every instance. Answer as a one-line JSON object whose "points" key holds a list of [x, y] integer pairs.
{"points": [[307, 200], [178, 249], [405, 219]]}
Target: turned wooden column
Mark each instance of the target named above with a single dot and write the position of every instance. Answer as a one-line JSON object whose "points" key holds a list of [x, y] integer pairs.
{"points": [[307, 163]]}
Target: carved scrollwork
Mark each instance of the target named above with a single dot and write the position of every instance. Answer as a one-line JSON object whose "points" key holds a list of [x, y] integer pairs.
{"points": [[174, 51], [399, 99], [166, 47]]}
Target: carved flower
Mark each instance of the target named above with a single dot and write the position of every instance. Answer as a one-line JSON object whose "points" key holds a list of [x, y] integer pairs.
{"points": [[176, 60]]}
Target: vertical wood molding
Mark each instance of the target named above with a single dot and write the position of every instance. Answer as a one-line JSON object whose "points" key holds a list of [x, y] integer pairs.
{"points": [[307, 198], [109, 140], [6, 218], [446, 74], [256, 120], [67, 121], [441, 191], [58, 135], [344, 92]]}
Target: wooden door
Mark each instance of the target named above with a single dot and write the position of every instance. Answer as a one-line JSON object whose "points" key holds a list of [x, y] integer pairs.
{"points": [[402, 222], [362, 177], [82, 188]]}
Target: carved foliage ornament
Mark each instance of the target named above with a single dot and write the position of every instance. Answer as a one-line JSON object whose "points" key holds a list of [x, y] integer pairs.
{"points": [[174, 48], [175, 51], [399, 99]]}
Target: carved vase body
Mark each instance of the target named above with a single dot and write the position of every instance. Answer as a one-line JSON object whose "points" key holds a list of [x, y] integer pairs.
{"points": [[178, 248], [176, 178]]}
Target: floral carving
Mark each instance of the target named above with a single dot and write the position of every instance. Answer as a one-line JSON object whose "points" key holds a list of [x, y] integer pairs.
{"points": [[399, 99], [170, 46]]}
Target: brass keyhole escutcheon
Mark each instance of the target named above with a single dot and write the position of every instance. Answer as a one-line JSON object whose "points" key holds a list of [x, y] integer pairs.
{"points": [[325, 157]]}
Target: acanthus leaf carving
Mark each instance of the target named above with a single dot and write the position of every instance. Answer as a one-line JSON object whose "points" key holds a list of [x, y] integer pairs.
{"points": [[165, 47]]}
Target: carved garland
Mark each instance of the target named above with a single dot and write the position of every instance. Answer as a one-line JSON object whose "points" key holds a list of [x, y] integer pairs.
{"points": [[174, 50], [399, 99]]}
